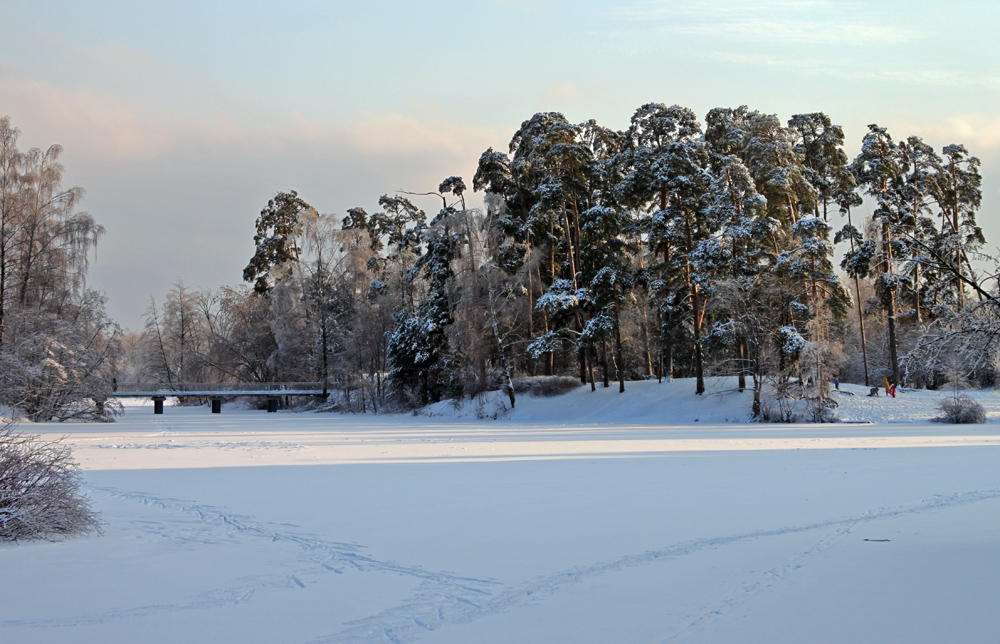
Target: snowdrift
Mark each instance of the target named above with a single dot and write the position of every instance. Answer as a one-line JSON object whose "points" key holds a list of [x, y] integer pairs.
{"points": [[675, 403]]}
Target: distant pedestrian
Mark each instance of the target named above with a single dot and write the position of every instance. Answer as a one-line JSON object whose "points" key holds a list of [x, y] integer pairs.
{"points": [[892, 390], [836, 383], [885, 383]]}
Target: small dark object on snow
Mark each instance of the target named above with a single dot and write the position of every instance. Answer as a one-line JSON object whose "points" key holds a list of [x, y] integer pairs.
{"points": [[878, 540]]}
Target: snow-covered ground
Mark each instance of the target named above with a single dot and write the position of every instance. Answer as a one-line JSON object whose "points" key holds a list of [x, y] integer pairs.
{"points": [[594, 517]]}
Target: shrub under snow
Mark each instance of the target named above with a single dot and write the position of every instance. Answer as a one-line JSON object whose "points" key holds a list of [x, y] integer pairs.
{"points": [[40, 494], [546, 386], [961, 409]]}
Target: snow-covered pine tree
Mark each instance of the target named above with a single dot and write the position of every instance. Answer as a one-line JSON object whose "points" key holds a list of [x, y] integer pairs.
{"points": [[959, 196], [647, 178], [606, 247], [809, 268], [556, 171], [738, 251], [774, 157], [847, 198], [398, 230], [820, 145], [769, 152], [275, 239], [418, 351], [682, 226], [879, 172], [921, 171]]}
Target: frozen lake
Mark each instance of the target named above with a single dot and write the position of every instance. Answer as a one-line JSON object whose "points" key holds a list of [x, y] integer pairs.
{"points": [[588, 518]]}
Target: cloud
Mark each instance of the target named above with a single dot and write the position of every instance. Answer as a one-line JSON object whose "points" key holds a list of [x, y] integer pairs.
{"points": [[178, 191], [980, 134], [768, 21], [83, 119], [531, 5], [562, 93], [396, 135], [925, 77], [109, 128]]}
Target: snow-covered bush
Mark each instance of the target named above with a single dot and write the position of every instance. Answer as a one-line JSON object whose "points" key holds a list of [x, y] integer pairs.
{"points": [[961, 409], [57, 371], [40, 494], [776, 408], [791, 402], [489, 405], [546, 386]]}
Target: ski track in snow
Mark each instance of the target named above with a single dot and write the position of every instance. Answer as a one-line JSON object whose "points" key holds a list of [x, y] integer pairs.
{"points": [[407, 622], [444, 598], [317, 556], [844, 527]]}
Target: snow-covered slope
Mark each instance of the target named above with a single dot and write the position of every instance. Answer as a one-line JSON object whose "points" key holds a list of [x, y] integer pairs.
{"points": [[675, 403]]}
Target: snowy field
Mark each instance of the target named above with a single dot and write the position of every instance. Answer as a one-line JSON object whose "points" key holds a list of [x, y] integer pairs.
{"points": [[598, 518]]}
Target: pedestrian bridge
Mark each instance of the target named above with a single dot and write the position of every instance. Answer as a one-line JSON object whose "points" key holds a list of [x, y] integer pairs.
{"points": [[216, 391]]}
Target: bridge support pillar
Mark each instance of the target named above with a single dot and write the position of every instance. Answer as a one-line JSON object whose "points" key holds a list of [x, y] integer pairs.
{"points": [[217, 405], [272, 404], [158, 404]]}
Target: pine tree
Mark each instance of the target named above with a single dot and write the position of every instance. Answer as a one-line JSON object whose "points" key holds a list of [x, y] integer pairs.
{"points": [[655, 136], [682, 226], [769, 152], [959, 195], [275, 239], [419, 353], [398, 229], [605, 247], [820, 145], [744, 241], [878, 170]]}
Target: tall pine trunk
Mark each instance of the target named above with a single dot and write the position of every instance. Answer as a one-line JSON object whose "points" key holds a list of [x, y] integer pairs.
{"points": [[619, 354], [893, 357]]}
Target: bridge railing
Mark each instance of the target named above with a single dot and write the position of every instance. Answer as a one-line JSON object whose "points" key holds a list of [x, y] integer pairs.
{"points": [[221, 387]]}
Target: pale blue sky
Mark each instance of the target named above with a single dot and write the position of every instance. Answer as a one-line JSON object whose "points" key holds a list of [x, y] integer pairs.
{"points": [[181, 119]]}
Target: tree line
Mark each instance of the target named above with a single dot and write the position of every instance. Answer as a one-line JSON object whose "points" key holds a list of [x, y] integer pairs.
{"points": [[671, 248]]}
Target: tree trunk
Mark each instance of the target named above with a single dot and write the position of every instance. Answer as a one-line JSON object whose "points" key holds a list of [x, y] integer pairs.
{"points": [[645, 339], [590, 373], [861, 321], [699, 372], [619, 354], [861, 313], [604, 363], [892, 307], [741, 366]]}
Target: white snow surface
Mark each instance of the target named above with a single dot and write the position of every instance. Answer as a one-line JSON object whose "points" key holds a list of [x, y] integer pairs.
{"points": [[594, 517]]}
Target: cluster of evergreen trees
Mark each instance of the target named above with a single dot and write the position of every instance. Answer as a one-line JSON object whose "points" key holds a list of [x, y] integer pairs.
{"points": [[670, 248]]}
